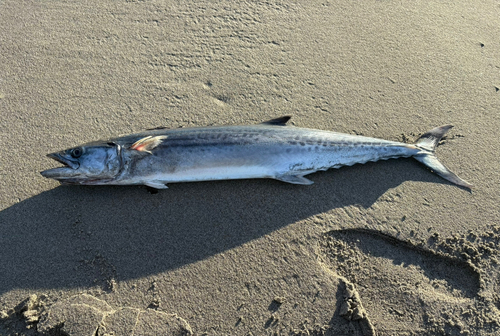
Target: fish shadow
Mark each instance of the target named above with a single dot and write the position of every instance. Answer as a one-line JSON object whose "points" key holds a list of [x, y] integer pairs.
{"points": [[77, 236]]}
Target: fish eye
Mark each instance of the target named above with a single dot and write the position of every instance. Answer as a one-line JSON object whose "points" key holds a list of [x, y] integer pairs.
{"points": [[76, 152]]}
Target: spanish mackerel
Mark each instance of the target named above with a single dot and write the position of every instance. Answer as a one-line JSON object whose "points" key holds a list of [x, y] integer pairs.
{"points": [[267, 150]]}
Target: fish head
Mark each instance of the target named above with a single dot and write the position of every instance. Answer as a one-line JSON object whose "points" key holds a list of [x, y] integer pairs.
{"points": [[87, 164]]}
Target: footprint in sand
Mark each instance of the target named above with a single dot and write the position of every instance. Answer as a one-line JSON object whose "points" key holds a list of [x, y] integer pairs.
{"points": [[404, 289], [85, 315]]}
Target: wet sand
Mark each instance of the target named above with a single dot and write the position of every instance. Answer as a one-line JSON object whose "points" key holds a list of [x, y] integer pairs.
{"points": [[385, 248]]}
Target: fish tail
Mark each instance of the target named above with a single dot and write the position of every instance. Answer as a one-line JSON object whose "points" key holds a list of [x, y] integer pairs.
{"points": [[428, 143]]}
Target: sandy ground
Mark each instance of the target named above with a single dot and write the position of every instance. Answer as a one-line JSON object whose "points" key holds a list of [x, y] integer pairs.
{"points": [[385, 248]]}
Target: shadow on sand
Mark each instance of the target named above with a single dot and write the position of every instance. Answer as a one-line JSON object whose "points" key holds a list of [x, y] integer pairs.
{"points": [[52, 240]]}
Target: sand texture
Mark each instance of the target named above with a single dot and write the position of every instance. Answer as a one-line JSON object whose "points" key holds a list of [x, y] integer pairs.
{"points": [[385, 248]]}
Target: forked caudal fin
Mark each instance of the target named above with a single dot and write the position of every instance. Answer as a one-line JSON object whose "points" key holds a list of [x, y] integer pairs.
{"points": [[428, 143]]}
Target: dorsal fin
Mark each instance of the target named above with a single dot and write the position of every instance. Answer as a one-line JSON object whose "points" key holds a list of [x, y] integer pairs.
{"points": [[157, 128], [281, 121]]}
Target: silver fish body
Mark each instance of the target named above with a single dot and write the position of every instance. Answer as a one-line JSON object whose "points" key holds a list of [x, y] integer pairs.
{"points": [[268, 150]]}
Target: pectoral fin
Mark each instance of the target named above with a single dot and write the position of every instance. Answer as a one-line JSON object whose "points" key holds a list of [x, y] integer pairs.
{"points": [[294, 179], [148, 143]]}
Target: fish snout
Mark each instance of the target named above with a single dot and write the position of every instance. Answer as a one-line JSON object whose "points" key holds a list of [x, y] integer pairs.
{"points": [[68, 171], [64, 160]]}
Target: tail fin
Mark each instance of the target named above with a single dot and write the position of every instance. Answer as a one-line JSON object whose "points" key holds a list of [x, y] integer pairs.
{"points": [[428, 143]]}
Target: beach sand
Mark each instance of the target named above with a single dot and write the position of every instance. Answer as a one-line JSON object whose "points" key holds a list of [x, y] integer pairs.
{"points": [[385, 248]]}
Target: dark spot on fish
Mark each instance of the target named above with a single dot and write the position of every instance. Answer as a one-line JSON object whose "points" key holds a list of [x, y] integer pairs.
{"points": [[292, 142], [288, 150], [302, 143]]}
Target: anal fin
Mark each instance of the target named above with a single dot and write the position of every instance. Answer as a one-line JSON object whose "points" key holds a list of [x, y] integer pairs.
{"points": [[156, 184], [294, 179]]}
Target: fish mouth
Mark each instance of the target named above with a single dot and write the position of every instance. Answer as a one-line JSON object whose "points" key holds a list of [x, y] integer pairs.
{"points": [[68, 171]]}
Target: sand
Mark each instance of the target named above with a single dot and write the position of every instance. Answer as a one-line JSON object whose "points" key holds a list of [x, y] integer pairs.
{"points": [[385, 248]]}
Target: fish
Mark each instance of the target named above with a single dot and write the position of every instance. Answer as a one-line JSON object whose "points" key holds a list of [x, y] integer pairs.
{"points": [[272, 149]]}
